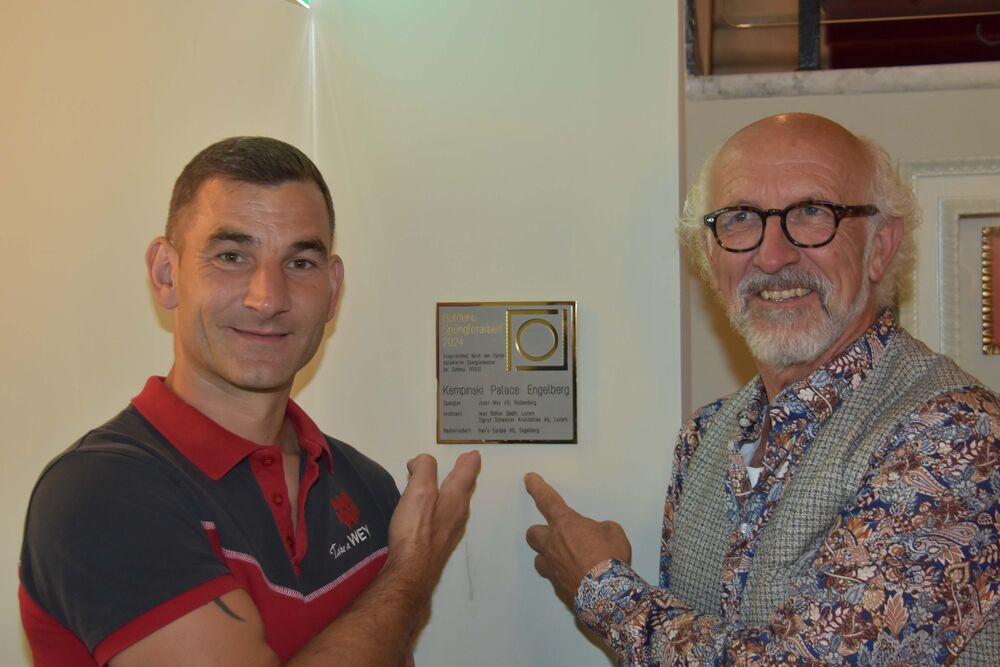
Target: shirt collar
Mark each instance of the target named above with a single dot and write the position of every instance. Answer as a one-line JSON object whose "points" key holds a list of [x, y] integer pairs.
{"points": [[211, 447], [821, 392]]}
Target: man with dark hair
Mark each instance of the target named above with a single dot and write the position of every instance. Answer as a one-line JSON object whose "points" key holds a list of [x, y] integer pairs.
{"points": [[843, 507], [211, 522]]}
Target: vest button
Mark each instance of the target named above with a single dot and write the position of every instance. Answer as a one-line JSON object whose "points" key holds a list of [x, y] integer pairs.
{"points": [[278, 499]]}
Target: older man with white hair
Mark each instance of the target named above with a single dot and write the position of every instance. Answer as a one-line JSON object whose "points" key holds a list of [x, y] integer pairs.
{"points": [[843, 507]]}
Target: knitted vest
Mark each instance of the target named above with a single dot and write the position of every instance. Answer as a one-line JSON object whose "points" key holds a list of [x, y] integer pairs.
{"points": [[825, 482]]}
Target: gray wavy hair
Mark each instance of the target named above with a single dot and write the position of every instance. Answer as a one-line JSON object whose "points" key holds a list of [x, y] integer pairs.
{"points": [[893, 198]]}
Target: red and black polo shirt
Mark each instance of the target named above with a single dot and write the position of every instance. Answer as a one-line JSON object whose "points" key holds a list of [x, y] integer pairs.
{"points": [[161, 510]]}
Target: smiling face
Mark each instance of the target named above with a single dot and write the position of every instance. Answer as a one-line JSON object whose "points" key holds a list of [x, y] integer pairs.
{"points": [[797, 307], [253, 287]]}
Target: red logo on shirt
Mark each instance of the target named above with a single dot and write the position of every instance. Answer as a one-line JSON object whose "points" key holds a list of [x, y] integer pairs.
{"points": [[346, 510]]}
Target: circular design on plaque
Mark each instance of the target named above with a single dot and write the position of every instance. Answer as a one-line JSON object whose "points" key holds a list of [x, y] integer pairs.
{"points": [[534, 336]]}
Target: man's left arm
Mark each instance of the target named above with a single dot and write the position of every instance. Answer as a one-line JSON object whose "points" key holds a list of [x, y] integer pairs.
{"points": [[909, 570]]}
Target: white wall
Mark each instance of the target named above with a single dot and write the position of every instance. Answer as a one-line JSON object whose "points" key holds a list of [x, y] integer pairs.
{"points": [[102, 104], [952, 123], [497, 151], [476, 149]]}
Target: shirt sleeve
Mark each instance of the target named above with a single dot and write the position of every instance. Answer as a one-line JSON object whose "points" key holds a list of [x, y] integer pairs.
{"points": [[109, 538], [908, 572]]}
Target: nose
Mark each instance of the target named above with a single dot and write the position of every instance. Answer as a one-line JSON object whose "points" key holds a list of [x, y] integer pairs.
{"points": [[267, 291], [776, 250]]}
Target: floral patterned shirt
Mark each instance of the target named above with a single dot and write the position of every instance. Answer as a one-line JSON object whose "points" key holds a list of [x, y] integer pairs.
{"points": [[906, 575]]}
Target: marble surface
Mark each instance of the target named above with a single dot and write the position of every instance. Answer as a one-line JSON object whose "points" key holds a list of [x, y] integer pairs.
{"points": [[961, 76]]}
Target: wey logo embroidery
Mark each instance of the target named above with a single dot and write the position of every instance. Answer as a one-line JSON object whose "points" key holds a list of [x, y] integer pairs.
{"points": [[348, 514]]}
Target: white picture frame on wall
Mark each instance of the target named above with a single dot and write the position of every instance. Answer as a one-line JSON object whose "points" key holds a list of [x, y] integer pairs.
{"points": [[942, 304]]}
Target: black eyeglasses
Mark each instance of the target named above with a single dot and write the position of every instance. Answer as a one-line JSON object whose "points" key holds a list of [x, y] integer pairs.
{"points": [[807, 224]]}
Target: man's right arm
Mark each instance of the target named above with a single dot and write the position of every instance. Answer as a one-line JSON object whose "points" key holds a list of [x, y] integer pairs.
{"points": [[379, 626]]}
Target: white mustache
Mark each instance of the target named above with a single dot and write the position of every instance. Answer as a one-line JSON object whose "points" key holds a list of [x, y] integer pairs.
{"points": [[787, 278]]}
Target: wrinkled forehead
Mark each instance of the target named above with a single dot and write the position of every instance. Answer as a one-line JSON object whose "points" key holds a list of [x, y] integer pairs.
{"points": [[824, 161], [223, 201]]}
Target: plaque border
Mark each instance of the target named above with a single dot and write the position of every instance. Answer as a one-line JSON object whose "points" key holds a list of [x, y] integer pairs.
{"points": [[437, 369]]}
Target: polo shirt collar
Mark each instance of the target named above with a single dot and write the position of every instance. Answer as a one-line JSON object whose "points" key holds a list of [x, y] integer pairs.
{"points": [[211, 447]]}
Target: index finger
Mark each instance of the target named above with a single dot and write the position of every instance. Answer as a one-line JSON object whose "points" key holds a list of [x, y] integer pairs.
{"points": [[547, 500]]}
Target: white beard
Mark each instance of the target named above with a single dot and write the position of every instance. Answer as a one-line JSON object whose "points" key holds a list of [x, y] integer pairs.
{"points": [[790, 337]]}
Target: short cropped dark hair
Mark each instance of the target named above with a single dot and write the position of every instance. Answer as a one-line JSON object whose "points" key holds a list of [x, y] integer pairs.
{"points": [[257, 160]]}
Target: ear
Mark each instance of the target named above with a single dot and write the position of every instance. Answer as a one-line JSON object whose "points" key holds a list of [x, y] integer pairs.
{"points": [[884, 245], [336, 282], [161, 261]]}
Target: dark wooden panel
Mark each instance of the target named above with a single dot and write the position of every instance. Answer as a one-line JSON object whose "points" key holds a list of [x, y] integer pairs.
{"points": [[913, 42]]}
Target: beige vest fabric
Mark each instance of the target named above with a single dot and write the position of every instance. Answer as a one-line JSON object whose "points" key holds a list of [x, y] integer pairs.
{"points": [[825, 482]]}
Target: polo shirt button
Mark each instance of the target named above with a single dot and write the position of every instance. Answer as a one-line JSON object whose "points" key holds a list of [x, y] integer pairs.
{"points": [[278, 499], [267, 460]]}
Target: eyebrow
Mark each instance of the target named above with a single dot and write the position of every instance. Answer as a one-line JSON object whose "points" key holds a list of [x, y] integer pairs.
{"points": [[235, 237], [316, 245], [756, 204], [241, 238]]}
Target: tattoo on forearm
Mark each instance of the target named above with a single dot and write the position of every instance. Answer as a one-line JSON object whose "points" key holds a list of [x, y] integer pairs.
{"points": [[230, 612]]}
